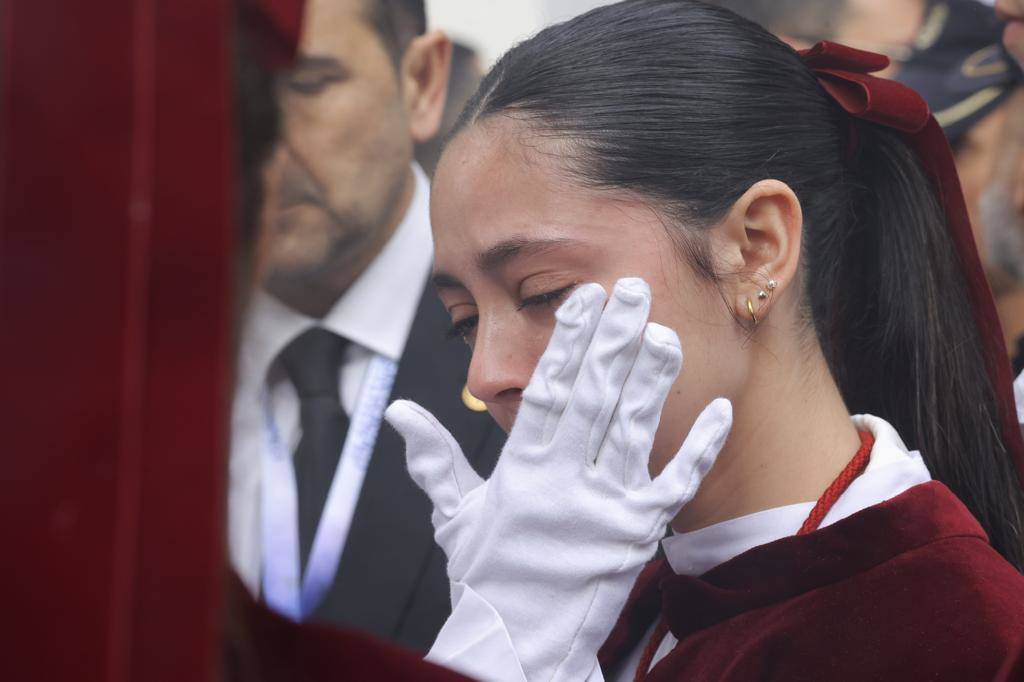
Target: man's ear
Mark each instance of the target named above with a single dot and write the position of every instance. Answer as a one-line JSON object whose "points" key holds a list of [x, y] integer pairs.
{"points": [[424, 78], [757, 248]]}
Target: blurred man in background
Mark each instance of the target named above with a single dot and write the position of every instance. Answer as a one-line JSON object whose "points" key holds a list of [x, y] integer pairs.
{"points": [[950, 52], [324, 521], [1001, 211], [466, 73], [1010, 171], [888, 27], [973, 86], [967, 78], [1012, 12]]}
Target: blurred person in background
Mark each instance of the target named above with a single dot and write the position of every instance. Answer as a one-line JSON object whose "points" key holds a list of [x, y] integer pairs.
{"points": [[950, 52], [324, 521], [1012, 11], [967, 78], [1001, 216], [465, 76], [887, 27], [258, 644], [1003, 205], [973, 85]]}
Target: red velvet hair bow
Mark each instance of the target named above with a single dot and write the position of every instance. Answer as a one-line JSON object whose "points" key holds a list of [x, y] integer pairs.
{"points": [[845, 74]]}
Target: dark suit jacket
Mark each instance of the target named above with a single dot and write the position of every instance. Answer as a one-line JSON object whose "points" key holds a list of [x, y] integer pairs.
{"points": [[391, 579]]}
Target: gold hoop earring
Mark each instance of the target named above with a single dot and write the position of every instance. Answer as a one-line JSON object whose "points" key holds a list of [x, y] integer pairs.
{"points": [[750, 309]]}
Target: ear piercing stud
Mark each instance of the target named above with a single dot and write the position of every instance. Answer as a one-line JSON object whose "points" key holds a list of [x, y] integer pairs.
{"points": [[762, 295]]}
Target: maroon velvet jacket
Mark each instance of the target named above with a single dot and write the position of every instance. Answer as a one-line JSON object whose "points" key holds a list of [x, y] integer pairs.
{"points": [[262, 646], [906, 590]]}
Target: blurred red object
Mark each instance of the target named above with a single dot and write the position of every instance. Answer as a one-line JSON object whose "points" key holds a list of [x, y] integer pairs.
{"points": [[116, 308], [277, 26]]}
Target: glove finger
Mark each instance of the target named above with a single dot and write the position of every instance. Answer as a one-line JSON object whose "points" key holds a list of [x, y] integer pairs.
{"points": [[453, 534], [627, 448], [434, 459], [679, 481], [605, 366], [551, 385]]}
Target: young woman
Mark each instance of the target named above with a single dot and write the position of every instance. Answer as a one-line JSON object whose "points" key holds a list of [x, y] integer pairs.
{"points": [[795, 221]]}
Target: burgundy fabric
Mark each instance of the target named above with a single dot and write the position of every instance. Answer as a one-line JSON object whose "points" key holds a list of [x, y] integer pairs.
{"points": [[116, 305], [277, 26], [643, 608], [822, 507], [262, 646], [1013, 667], [908, 589], [845, 73]]}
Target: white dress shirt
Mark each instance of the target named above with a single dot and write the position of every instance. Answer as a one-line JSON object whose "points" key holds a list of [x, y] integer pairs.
{"points": [[375, 314], [475, 641], [892, 470]]}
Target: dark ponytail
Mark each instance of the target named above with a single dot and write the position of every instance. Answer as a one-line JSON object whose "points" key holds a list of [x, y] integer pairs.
{"points": [[690, 105], [892, 312]]}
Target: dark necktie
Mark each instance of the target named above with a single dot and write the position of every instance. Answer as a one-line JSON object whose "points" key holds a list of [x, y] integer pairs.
{"points": [[313, 362]]}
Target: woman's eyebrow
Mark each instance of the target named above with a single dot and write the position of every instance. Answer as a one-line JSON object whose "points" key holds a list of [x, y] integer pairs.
{"points": [[502, 253], [442, 280]]}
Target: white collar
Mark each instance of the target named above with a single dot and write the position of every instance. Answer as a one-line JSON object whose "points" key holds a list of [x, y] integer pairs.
{"points": [[377, 310], [892, 470]]}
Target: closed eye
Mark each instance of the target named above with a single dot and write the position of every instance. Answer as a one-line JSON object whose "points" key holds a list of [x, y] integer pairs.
{"points": [[462, 328], [547, 298], [311, 84], [313, 74]]}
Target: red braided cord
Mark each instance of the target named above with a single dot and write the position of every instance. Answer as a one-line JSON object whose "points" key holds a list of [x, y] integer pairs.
{"points": [[821, 509], [854, 469], [660, 630]]}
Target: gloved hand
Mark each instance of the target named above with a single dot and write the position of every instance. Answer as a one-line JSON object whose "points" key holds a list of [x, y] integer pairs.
{"points": [[554, 540]]}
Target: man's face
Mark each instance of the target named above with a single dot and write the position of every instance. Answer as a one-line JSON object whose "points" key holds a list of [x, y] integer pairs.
{"points": [[886, 26], [342, 166], [975, 156]]}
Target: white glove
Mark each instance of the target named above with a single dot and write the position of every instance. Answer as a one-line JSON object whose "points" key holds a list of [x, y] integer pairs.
{"points": [[554, 540], [1018, 397]]}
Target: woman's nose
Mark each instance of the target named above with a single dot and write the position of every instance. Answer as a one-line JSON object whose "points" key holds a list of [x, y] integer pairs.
{"points": [[500, 368]]}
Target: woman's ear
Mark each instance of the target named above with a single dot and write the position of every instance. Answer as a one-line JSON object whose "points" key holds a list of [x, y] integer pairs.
{"points": [[757, 248], [424, 77]]}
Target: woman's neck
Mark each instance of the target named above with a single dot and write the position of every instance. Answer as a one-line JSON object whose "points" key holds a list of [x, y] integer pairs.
{"points": [[791, 437]]}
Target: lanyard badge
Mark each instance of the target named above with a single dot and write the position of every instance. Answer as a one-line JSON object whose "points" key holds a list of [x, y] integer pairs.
{"points": [[284, 589]]}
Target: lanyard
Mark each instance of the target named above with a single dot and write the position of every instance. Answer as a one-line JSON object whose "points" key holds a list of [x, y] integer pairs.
{"points": [[284, 589]]}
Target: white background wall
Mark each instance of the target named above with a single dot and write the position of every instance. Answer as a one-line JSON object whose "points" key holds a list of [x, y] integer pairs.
{"points": [[493, 26]]}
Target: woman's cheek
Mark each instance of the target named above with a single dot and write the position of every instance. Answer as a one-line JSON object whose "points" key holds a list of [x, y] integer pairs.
{"points": [[672, 429]]}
